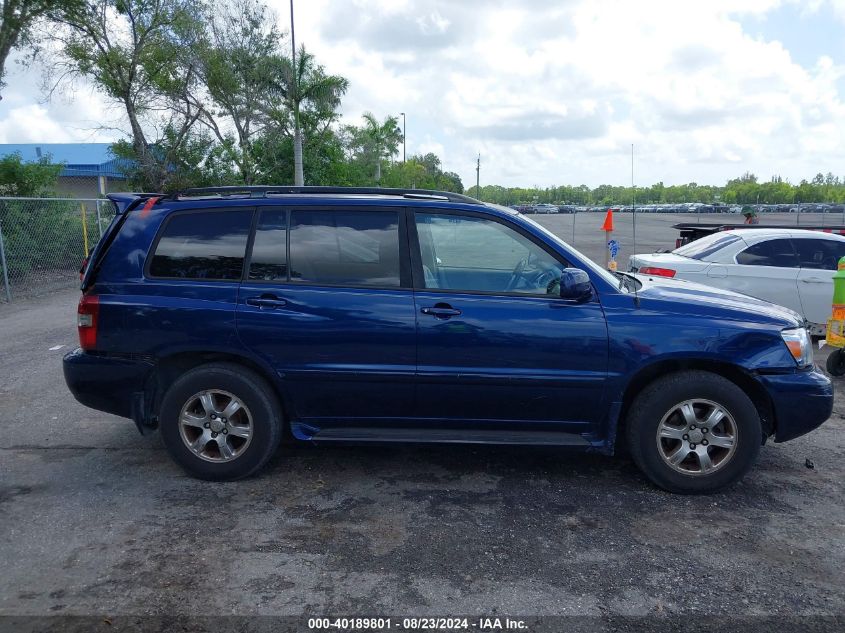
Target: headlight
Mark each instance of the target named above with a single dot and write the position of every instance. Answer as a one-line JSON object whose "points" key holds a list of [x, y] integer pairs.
{"points": [[799, 344]]}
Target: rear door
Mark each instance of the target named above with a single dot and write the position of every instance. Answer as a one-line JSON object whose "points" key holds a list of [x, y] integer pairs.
{"points": [[327, 301], [818, 258], [497, 346]]}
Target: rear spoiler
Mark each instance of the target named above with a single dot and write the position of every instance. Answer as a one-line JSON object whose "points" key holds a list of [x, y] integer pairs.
{"points": [[125, 201]]}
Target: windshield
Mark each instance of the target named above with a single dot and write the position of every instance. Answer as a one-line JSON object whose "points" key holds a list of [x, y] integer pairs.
{"points": [[706, 246], [604, 274]]}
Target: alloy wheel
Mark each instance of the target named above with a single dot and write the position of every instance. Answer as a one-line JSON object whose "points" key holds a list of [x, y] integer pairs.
{"points": [[215, 425], [697, 437]]}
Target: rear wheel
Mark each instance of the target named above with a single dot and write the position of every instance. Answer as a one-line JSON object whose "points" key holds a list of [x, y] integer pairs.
{"points": [[693, 432], [220, 422]]}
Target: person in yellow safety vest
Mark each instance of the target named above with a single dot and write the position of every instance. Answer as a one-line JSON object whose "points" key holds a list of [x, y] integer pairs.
{"points": [[750, 215]]}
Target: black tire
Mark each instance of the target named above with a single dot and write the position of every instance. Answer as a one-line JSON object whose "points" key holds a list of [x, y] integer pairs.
{"points": [[836, 363], [252, 390], [659, 398]]}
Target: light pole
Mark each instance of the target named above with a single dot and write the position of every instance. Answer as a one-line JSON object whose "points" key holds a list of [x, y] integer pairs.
{"points": [[403, 137], [478, 177], [298, 178]]}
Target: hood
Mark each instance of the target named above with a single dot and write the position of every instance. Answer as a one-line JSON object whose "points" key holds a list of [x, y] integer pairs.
{"points": [[690, 296]]}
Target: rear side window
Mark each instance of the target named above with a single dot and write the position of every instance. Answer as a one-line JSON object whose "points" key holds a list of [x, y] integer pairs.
{"points": [[819, 254], [355, 248], [203, 245], [777, 253]]}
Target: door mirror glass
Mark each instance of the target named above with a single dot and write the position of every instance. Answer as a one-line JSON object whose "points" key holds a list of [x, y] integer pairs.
{"points": [[575, 285]]}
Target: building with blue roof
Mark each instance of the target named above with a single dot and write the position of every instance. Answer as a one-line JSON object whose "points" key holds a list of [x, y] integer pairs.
{"points": [[89, 170]]}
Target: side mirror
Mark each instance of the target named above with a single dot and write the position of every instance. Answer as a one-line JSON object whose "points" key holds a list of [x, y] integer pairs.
{"points": [[575, 285]]}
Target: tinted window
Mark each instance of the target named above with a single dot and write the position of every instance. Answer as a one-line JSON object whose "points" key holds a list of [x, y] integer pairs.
{"points": [[706, 246], [356, 248], [207, 245], [769, 253], [821, 254], [475, 254], [269, 261]]}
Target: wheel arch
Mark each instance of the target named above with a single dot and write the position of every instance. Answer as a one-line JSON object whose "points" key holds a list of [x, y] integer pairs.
{"points": [[737, 375], [169, 368]]}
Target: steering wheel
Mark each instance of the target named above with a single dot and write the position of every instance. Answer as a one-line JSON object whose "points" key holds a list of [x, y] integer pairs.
{"points": [[516, 275]]}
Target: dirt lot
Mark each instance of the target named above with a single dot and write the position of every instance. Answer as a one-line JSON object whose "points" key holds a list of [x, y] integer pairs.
{"points": [[96, 520]]}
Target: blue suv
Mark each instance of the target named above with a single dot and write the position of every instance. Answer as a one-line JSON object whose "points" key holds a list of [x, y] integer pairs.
{"points": [[229, 317]]}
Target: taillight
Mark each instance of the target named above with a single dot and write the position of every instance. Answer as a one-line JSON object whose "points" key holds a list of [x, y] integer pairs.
{"points": [[86, 321], [659, 272]]}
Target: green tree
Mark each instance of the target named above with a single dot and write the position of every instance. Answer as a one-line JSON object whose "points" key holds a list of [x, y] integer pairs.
{"points": [[383, 139], [139, 54], [236, 59], [307, 99], [17, 19], [33, 179]]}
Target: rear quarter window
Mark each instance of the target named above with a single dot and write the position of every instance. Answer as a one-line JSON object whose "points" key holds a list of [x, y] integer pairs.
{"points": [[202, 245], [706, 246]]}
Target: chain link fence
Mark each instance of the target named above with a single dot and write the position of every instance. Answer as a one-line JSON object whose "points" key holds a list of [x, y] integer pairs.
{"points": [[44, 240]]}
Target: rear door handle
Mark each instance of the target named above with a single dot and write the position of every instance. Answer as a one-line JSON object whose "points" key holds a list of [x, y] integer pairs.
{"points": [[815, 280], [267, 301], [441, 311]]}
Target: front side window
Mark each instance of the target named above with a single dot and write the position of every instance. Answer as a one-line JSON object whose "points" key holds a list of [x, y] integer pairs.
{"points": [[202, 245], [476, 254], [819, 254], [354, 248], [778, 253]]}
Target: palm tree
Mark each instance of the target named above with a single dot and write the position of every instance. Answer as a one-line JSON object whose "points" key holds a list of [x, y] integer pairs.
{"points": [[384, 138], [306, 85]]}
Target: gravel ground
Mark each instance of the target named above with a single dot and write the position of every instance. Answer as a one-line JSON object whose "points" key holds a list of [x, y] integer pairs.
{"points": [[96, 520]]}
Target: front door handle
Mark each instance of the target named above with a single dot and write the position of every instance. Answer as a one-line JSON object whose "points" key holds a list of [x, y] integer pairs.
{"points": [[441, 311], [267, 301], [814, 280]]}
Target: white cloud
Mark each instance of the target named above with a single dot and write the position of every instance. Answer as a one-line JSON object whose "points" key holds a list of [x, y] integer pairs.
{"points": [[555, 91]]}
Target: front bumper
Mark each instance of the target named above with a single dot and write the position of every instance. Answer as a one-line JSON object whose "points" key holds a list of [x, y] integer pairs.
{"points": [[105, 383], [802, 402]]}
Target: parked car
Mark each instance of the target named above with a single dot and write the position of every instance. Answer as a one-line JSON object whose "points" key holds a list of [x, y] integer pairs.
{"points": [[788, 267], [227, 317], [545, 208]]}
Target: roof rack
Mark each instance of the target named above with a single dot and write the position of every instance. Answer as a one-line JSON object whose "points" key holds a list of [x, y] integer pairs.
{"points": [[263, 191]]}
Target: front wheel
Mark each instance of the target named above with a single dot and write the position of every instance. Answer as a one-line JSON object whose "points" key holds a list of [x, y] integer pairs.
{"points": [[693, 432], [836, 363], [220, 422]]}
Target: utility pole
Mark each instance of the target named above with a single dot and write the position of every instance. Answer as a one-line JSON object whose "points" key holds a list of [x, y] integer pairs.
{"points": [[478, 177], [404, 136]]}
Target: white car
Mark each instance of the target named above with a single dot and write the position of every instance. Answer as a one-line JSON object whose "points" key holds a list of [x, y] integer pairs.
{"points": [[545, 208], [789, 267]]}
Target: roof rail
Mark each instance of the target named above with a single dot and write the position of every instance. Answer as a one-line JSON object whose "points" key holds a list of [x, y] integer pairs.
{"points": [[262, 191]]}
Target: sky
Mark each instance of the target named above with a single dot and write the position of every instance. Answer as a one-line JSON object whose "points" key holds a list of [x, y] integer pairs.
{"points": [[555, 92]]}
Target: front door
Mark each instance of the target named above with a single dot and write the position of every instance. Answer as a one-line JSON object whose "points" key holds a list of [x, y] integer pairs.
{"points": [[496, 344], [327, 303], [767, 270]]}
